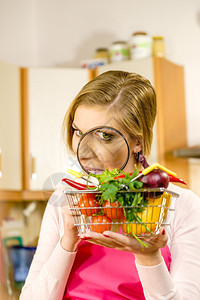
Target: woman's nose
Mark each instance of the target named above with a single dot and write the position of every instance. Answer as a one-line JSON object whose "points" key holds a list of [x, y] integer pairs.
{"points": [[86, 153]]}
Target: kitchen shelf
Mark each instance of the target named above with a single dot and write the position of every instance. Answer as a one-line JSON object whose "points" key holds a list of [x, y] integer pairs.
{"points": [[190, 152], [25, 195]]}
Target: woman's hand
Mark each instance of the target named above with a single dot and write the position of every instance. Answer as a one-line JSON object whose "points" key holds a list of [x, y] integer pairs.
{"points": [[70, 239], [144, 255]]}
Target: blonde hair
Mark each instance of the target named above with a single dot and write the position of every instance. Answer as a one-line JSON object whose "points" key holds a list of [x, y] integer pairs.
{"points": [[131, 98]]}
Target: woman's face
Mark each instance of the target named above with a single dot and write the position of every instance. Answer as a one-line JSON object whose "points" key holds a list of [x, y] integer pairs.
{"points": [[102, 148]]}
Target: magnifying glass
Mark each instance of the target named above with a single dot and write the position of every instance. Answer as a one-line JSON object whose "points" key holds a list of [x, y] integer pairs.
{"points": [[102, 148]]}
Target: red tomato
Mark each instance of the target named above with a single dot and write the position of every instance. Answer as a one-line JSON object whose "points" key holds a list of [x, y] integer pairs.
{"points": [[113, 210], [89, 202], [103, 220]]}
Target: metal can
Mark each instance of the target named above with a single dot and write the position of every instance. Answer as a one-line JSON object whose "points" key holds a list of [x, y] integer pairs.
{"points": [[140, 45], [119, 51]]}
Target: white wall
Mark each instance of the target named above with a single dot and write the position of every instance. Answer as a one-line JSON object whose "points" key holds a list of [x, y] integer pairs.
{"points": [[18, 39], [62, 33]]}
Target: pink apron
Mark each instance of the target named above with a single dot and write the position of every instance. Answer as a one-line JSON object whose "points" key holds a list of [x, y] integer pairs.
{"points": [[101, 273]]}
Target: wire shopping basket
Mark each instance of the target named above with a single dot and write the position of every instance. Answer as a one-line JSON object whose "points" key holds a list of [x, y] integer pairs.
{"points": [[91, 213]]}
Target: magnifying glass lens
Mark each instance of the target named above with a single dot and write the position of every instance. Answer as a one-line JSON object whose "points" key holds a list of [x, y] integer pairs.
{"points": [[102, 148]]}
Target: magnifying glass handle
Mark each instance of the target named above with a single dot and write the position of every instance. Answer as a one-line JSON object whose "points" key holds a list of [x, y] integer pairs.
{"points": [[80, 175], [158, 166], [75, 173]]}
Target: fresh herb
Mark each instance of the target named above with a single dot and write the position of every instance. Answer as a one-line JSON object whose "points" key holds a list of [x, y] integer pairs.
{"points": [[111, 185]]}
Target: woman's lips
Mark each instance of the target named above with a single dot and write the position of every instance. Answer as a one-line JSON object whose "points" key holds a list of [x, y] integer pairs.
{"points": [[94, 170]]}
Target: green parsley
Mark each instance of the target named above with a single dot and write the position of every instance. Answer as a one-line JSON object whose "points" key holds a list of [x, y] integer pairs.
{"points": [[111, 187]]}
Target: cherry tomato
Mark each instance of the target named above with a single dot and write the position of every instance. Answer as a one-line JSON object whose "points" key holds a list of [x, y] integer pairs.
{"points": [[112, 210], [87, 204], [103, 220]]}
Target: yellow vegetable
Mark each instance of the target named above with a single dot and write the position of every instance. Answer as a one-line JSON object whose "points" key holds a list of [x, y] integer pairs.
{"points": [[151, 218]]}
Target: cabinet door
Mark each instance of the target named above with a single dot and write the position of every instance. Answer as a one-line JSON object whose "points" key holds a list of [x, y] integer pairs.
{"points": [[145, 68], [50, 92], [10, 149]]}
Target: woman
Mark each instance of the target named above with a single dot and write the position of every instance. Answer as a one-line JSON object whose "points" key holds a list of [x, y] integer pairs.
{"points": [[69, 266]]}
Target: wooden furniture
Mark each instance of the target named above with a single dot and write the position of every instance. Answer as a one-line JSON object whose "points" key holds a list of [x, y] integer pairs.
{"points": [[41, 97], [171, 117], [10, 127], [49, 94]]}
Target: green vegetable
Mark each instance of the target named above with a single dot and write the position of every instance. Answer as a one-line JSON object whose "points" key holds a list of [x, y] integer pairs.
{"points": [[133, 203]]}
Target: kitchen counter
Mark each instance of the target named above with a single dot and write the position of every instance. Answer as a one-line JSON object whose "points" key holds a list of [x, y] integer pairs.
{"points": [[188, 152]]}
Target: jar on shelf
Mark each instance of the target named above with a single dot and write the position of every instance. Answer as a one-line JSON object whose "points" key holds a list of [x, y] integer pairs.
{"points": [[102, 53], [140, 45], [158, 46], [119, 51]]}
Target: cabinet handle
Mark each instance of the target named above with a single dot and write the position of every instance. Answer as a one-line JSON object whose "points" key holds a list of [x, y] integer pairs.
{"points": [[33, 168], [1, 163]]}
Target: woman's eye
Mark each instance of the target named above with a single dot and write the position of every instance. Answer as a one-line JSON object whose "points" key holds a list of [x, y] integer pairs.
{"points": [[105, 136], [77, 132]]}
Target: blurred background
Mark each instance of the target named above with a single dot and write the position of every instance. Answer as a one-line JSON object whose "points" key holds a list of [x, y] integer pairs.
{"points": [[48, 33], [48, 51]]}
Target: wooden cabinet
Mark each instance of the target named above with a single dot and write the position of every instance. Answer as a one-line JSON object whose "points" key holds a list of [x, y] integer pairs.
{"points": [[50, 92], [10, 127], [47, 94], [33, 105]]}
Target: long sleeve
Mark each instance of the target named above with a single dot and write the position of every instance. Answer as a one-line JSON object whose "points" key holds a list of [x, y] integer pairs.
{"points": [[157, 282], [51, 264], [183, 281]]}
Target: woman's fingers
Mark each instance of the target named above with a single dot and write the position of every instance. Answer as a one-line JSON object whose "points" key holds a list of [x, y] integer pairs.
{"points": [[128, 243], [99, 239]]}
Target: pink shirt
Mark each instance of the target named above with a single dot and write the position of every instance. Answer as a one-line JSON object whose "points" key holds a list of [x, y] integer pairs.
{"points": [[52, 265]]}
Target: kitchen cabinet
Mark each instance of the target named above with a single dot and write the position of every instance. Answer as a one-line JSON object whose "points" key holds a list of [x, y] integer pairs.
{"points": [[10, 127], [33, 105], [49, 94], [168, 81]]}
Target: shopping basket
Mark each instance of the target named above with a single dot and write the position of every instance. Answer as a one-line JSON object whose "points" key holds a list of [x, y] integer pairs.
{"points": [[91, 213]]}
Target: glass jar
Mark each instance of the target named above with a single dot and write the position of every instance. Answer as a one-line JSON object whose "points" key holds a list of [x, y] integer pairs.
{"points": [[140, 45], [158, 46], [102, 53], [119, 51]]}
